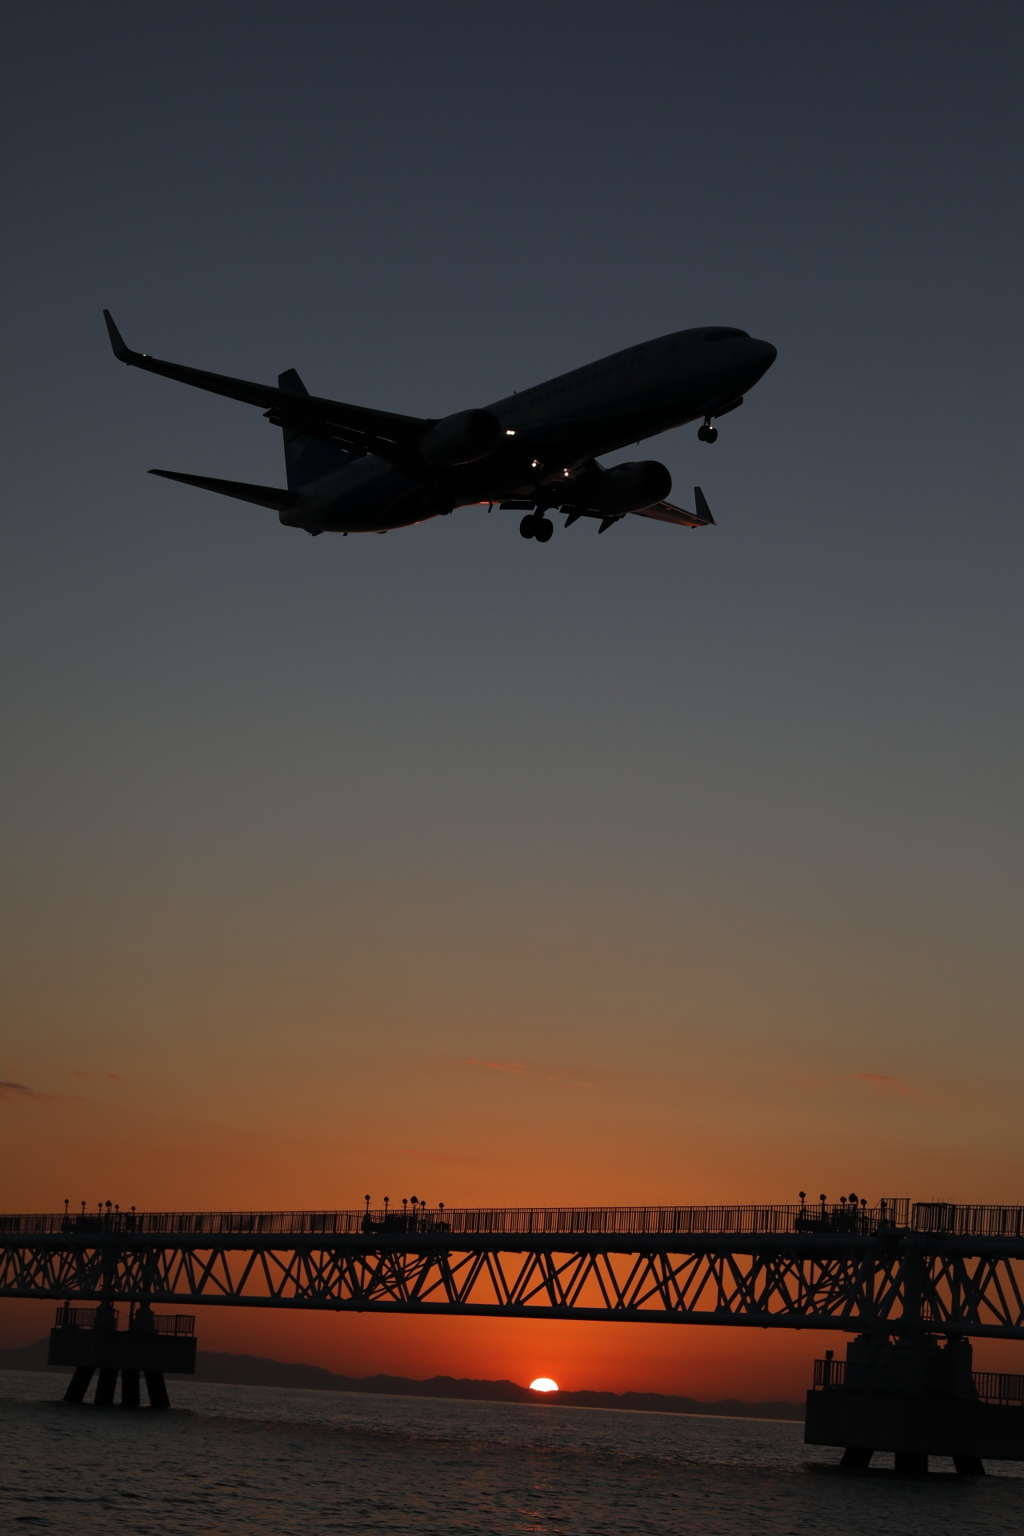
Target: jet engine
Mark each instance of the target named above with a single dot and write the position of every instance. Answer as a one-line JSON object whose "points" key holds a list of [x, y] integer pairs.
{"points": [[460, 439], [627, 488]]}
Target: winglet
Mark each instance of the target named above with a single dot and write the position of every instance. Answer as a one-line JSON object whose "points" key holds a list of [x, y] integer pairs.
{"points": [[121, 352], [703, 510]]}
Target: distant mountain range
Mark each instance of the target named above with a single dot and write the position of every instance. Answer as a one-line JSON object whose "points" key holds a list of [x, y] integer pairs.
{"points": [[253, 1371]]}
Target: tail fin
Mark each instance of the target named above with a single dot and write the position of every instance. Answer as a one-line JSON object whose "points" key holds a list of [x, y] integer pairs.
{"points": [[306, 458]]}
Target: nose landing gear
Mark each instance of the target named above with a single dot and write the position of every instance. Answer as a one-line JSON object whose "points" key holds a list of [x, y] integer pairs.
{"points": [[707, 433], [534, 526]]}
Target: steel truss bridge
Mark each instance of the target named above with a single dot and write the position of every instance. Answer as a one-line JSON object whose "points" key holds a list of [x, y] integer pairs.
{"points": [[898, 1267]]}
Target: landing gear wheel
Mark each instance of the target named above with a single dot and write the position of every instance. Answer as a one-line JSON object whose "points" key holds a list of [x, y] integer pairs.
{"points": [[702, 433], [528, 526], [544, 529], [711, 436]]}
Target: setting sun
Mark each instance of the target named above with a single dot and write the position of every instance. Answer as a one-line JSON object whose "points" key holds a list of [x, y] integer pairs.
{"points": [[543, 1384]]}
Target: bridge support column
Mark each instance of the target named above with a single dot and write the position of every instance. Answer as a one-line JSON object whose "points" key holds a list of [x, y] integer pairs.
{"points": [[856, 1458], [157, 1389], [129, 1389], [105, 1387], [79, 1384]]}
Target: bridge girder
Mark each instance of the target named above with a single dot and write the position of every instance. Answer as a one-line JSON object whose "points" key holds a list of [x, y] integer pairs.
{"points": [[894, 1283]]}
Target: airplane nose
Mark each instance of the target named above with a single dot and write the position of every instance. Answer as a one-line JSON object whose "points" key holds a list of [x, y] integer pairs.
{"points": [[762, 354]]}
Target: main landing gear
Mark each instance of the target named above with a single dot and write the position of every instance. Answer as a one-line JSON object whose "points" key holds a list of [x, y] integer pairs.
{"points": [[707, 433], [534, 526]]}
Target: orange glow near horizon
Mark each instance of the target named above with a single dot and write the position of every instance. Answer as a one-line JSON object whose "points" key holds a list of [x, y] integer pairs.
{"points": [[605, 1062]]}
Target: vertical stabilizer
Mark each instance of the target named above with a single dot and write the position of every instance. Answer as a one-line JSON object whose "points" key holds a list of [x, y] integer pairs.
{"points": [[306, 459]]}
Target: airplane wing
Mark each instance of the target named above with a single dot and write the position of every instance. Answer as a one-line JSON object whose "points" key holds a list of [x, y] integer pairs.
{"points": [[346, 426], [665, 512]]}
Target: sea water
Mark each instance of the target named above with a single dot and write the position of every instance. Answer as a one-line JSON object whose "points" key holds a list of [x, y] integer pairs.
{"points": [[229, 1461]]}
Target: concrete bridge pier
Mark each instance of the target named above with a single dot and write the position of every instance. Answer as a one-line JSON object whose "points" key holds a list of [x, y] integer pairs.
{"points": [[915, 1397], [91, 1342]]}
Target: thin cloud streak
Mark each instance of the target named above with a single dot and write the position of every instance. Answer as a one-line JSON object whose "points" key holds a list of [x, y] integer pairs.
{"points": [[16, 1091]]}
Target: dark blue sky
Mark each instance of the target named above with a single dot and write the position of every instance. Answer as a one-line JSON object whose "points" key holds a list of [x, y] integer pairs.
{"points": [[716, 835]]}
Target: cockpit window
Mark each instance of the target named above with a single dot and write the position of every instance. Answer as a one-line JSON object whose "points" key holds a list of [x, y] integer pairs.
{"points": [[722, 333]]}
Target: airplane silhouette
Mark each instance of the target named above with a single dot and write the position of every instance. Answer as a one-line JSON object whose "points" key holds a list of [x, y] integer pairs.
{"points": [[351, 469]]}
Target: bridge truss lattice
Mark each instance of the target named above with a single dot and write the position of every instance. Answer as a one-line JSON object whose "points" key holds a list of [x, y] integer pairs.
{"points": [[896, 1268]]}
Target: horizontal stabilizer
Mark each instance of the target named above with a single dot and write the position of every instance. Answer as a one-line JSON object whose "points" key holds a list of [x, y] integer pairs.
{"points": [[665, 512], [260, 495]]}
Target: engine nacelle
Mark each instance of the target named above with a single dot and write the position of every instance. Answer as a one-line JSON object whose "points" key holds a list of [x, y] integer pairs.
{"points": [[460, 439], [629, 488]]}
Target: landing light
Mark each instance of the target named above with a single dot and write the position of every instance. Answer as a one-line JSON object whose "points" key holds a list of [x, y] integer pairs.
{"points": [[510, 431], [543, 1384]]}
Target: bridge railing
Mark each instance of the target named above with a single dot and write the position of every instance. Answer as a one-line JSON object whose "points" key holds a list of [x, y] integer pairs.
{"points": [[991, 1386], [932, 1217], [829, 1372], [999, 1387], [182, 1325], [626, 1221], [968, 1220], [177, 1324], [87, 1317]]}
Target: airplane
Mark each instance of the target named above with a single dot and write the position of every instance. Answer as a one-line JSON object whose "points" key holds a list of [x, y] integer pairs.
{"points": [[350, 469]]}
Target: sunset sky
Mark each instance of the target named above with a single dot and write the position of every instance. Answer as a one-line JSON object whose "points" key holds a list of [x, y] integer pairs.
{"points": [[663, 867]]}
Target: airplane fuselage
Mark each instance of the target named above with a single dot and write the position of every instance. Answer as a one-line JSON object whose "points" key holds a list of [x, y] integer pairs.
{"points": [[551, 431]]}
